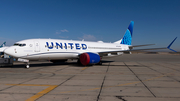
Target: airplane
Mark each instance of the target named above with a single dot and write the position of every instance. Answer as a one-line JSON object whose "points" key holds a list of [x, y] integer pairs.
{"points": [[87, 53], [3, 47], [4, 44]]}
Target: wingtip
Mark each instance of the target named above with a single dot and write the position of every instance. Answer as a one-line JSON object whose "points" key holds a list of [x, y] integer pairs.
{"points": [[171, 45]]}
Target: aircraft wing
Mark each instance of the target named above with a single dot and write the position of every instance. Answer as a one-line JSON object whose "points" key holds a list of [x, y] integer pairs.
{"points": [[131, 47], [2, 49], [131, 50], [127, 51]]}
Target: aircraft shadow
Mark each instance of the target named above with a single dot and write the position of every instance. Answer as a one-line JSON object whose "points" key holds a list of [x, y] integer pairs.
{"points": [[43, 64]]}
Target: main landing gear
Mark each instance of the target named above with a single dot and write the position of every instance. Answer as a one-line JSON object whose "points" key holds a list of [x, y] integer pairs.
{"points": [[100, 63]]}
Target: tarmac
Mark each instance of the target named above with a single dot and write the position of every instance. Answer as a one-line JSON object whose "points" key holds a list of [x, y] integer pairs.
{"points": [[135, 77]]}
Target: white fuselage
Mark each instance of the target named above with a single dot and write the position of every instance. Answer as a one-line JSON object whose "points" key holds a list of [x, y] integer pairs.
{"points": [[54, 49]]}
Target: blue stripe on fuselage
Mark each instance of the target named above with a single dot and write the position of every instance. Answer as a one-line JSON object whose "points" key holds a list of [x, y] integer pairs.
{"points": [[46, 53]]}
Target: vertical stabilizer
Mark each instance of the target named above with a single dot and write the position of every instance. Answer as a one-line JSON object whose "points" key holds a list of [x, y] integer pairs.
{"points": [[127, 38], [4, 44]]}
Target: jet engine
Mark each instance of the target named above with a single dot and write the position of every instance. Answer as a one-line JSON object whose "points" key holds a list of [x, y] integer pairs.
{"points": [[89, 58]]}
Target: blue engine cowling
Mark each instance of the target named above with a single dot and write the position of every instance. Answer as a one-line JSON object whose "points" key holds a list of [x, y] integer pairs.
{"points": [[89, 58]]}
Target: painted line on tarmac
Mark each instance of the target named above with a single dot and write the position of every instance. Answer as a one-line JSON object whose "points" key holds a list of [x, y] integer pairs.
{"points": [[51, 87], [39, 94], [118, 85], [84, 68], [29, 85]]}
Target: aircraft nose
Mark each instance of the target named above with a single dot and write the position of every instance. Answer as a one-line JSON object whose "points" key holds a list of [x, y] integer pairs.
{"points": [[9, 51]]}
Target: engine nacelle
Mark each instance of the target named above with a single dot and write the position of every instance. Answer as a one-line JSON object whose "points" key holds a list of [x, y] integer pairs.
{"points": [[89, 58]]}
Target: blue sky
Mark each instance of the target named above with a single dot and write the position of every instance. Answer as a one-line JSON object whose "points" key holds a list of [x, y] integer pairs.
{"points": [[155, 21]]}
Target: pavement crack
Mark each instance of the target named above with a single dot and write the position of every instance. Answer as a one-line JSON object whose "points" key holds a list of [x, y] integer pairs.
{"points": [[160, 72], [102, 84], [23, 82], [121, 97], [140, 80], [61, 69]]}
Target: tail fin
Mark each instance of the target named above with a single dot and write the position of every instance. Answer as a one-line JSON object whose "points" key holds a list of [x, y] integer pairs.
{"points": [[127, 38], [4, 44]]}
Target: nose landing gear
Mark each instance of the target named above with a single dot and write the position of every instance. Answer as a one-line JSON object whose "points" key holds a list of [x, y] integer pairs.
{"points": [[25, 61], [27, 65]]}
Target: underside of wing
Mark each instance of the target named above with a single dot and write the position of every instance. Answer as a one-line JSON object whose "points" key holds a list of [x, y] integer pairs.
{"points": [[131, 47], [126, 51]]}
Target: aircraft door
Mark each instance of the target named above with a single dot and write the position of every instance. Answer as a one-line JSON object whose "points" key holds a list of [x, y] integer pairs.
{"points": [[36, 46]]}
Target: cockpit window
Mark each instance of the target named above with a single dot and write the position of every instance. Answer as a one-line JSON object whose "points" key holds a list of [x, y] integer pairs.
{"points": [[18, 44]]}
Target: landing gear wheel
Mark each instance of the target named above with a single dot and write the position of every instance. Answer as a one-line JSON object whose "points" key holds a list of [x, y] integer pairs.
{"points": [[79, 62], [100, 63], [27, 66]]}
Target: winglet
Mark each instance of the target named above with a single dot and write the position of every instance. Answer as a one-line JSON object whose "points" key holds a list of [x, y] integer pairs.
{"points": [[171, 44]]}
